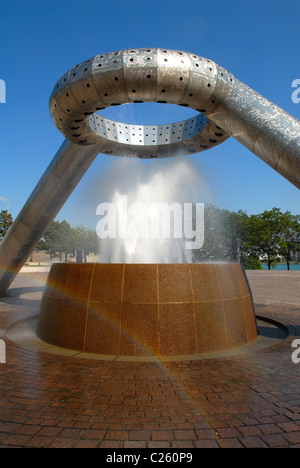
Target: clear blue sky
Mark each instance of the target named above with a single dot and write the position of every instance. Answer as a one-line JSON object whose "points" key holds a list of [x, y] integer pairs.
{"points": [[258, 41]]}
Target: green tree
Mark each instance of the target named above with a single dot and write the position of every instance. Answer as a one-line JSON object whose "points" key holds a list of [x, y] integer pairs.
{"points": [[213, 235], [6, 221], [57, 240], [85, 240], [224, 235], [62, 239], [236, 232], [264, 234], [289, 235]]}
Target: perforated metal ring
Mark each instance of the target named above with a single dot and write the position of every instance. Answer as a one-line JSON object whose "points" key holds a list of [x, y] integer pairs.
{"points": [[135, 76]]}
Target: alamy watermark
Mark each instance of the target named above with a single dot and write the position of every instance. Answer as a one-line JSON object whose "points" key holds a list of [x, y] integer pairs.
{"points": [[2, 92], [296, 93], [2, 352], [296, 354], [152, 221]]}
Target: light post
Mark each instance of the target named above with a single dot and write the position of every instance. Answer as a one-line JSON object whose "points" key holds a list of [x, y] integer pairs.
{"points": [[238, 250], [7, 201]]}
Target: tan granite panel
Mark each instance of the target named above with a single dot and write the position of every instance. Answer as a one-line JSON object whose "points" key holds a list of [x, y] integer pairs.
{"points": [[227, 280], [103, 329], [174, 283], [107, 283], [140, 284], [177, 329], [210, 327], [235, 324], [79, 281], [205, 282], [72, 325], [49, 319], [57, 280], [139, 329]]}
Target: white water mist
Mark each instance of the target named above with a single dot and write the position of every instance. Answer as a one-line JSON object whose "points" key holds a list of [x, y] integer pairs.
{"points": [[171, 181]]}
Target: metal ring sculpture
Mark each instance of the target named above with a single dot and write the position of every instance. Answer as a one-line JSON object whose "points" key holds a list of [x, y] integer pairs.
{"points": [[136, 76], [226, 107]]}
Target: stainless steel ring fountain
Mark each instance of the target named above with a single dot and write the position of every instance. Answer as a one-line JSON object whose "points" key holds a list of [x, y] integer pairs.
{"points": [[226, 108], [147, 75]]}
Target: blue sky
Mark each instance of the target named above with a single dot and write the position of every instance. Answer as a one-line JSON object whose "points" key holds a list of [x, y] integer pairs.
{"points": [[257, 41]]}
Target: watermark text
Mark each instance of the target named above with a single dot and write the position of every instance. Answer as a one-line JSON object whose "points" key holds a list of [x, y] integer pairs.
{"points": [[2, 352], [296, 354], [2, 92], [296, 93], [152, 221]]}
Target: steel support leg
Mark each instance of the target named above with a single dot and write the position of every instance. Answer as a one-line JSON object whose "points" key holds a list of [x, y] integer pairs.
{"points": [[58, 182]]}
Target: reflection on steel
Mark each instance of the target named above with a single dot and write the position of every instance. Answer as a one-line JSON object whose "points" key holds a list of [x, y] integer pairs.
{"points": [[54, 188], [226, 107]]}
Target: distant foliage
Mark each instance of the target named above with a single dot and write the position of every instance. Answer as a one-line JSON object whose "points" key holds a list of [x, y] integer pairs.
{"points": [[228, 236], [231, 236], [62, 240], [6, 221]]}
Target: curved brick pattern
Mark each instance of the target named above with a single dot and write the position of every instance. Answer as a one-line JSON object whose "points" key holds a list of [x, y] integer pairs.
{"points": [[247, 400]]}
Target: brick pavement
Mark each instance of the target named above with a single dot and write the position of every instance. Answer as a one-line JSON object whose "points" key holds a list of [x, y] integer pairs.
{"points": [[246, 400]]}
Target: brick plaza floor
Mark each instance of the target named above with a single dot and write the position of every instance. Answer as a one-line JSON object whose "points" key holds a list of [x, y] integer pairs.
{"points": [[246, 400]]}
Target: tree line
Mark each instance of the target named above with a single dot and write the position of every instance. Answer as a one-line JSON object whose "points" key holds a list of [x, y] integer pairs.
{"points": [[250, 239], [61, 240], [228, 236]]}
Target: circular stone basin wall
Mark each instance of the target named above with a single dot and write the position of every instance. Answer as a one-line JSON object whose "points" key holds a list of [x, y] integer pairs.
{"points": [[147, 309]]}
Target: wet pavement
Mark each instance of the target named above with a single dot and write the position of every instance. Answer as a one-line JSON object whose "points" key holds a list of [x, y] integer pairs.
{"points": [[248, 398]]}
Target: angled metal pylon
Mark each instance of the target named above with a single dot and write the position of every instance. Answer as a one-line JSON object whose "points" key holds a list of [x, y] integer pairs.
{"points": [[226, 107]]}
